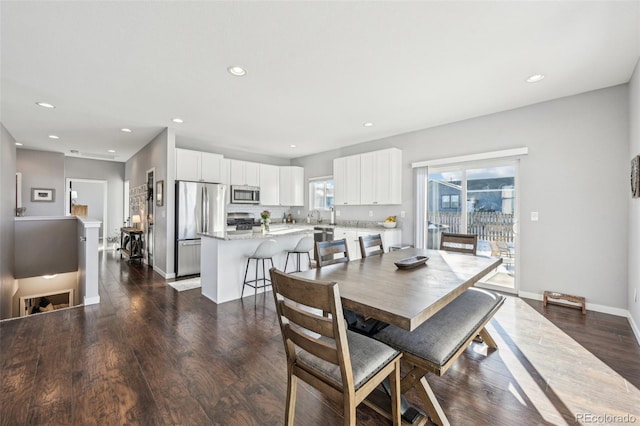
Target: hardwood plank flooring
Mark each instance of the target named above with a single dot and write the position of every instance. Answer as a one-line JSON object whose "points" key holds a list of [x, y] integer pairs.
{"points": [[148, 355]]}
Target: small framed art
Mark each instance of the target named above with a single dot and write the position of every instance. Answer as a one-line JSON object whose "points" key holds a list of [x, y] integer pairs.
{"points": [[160, 193], [43, 194]]}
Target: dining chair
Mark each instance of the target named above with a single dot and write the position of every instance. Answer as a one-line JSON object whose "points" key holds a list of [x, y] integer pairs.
{"points": [[362, 323], [368, 241], [326, 252], [461, 243], [343, 365]]}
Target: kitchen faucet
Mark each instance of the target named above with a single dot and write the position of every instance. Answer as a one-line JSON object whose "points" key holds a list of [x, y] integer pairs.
{"points": [[319, 218]]}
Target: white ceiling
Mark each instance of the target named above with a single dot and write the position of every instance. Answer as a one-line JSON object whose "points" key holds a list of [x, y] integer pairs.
{"points": [[316, 70]]}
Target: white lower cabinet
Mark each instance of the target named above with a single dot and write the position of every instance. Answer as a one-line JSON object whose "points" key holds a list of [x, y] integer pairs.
{"points": [[351, 235]]}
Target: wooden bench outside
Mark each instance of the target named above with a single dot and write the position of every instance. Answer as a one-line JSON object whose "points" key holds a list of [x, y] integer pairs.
{"points": [[438, 342]]}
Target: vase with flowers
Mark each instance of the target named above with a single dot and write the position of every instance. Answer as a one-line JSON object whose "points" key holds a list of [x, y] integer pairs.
{"points": [[266, 219]]}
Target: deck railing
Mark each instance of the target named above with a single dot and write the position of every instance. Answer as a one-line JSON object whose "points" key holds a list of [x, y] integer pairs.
{"points": [[490, 226]]}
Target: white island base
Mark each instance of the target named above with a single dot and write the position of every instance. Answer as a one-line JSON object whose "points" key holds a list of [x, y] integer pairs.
{"points": [[223, 262]]}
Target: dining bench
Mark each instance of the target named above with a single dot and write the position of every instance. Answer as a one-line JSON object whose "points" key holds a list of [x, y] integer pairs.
{"points": [[438, 342]]}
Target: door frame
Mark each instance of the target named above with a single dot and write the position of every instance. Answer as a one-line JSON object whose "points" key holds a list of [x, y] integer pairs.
{"points": [[153, 215], [487, 163], [105, 198]]}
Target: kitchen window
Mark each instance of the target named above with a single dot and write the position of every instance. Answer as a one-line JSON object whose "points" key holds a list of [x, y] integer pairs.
{"points": [[321, 193]]}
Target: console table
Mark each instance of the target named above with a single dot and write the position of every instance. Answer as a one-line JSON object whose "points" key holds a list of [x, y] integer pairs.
{"points": [[131, 243]]}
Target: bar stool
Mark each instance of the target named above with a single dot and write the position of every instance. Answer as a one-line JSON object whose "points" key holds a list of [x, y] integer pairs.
{"points": [[304, 246], [265, 251]]}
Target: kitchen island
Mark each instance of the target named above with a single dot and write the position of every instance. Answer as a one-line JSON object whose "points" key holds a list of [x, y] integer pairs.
{"points": [[223, 258]]}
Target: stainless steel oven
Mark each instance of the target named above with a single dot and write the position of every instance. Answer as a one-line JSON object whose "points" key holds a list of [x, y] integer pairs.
{"points": [[245, 195]]}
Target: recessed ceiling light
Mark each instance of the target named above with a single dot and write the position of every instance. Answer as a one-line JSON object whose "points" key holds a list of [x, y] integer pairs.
{"points": [[177, 120], [368, 124], [535, 78], [125, 130], [111, 150], [45, 105], [18, 144], [54, 137], [293, 146], [237, 71]]}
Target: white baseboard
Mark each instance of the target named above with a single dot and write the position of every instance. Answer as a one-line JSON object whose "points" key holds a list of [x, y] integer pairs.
{"points": [[590, 306], [164, 274], [91, 300], [634, 327]]}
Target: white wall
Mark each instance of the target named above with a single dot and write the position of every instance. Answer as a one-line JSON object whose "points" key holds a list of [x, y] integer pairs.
{"points": [[575, 176], [7, 213], [113, 173], [91, 194], [634, 203]]}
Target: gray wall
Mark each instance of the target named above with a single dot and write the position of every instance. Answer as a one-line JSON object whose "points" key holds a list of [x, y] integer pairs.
{"points": [[45, 247], [158, 154], [113, 173], [7, 213], [634, 203], [41, 169], [575, 176]]}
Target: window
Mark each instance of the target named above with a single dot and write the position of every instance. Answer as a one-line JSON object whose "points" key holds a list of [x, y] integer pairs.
{"points": [[321, 194], [455, 201], [446, 202]]}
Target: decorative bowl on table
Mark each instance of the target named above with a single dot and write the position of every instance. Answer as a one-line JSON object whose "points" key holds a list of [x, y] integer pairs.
{"points": [[411, 262], [389, 224]]}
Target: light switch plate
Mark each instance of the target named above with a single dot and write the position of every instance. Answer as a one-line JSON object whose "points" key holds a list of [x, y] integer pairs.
{"points": [[534, 216], [370, 213], [402, 213], [338, 213]]}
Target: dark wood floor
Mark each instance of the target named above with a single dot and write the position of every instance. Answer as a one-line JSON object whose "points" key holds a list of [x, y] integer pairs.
{"points": [[150, 355]]}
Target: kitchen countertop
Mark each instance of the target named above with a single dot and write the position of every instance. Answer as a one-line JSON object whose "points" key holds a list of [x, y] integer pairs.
{"points": [[287, 229]]}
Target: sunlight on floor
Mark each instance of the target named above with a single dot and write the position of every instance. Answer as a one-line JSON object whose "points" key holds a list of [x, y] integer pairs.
{"points": [[546, 364]]}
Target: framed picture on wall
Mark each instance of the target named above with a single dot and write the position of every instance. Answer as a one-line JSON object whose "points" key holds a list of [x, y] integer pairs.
{"points": [[635, 176], [43, 194], [160, 193]]}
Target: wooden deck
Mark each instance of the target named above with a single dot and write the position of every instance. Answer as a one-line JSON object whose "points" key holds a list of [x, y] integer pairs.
{"points": [[149, 355]]}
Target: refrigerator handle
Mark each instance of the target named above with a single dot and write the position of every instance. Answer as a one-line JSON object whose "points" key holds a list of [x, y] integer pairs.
{"points": [[202, 223], [206, 206]]}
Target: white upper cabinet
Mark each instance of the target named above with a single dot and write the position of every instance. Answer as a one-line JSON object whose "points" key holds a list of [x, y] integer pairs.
{"points": [[199, 166], [212, 168], [346, 180], [269, 185], [381, 177], [244, 173], [291, 186]]}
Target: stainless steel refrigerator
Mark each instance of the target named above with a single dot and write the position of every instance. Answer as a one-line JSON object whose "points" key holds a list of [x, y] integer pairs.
{"points": [[200, 208]]}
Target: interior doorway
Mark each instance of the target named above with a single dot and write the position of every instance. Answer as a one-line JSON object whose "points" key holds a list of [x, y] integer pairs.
{"points": [[479, 198], [150, 245], [88, 197]]}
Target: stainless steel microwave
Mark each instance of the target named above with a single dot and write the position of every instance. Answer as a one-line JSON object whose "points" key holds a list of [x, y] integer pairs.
{"points": [[245, 195]]}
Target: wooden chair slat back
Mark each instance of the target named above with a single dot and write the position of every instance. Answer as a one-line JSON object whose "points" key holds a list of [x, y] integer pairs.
{"points": [[369, 241], [297, 301], [461, 243], [326, 251]]}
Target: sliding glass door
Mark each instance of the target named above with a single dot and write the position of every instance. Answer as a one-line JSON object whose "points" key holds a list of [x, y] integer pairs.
{"points": [[478, 199]]}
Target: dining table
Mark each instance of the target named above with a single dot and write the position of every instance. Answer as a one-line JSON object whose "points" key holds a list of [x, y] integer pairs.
{"points": [[405, 288]]}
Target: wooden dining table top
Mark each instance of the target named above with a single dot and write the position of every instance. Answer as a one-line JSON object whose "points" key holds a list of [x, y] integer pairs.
{"points": [[375, 287]]}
